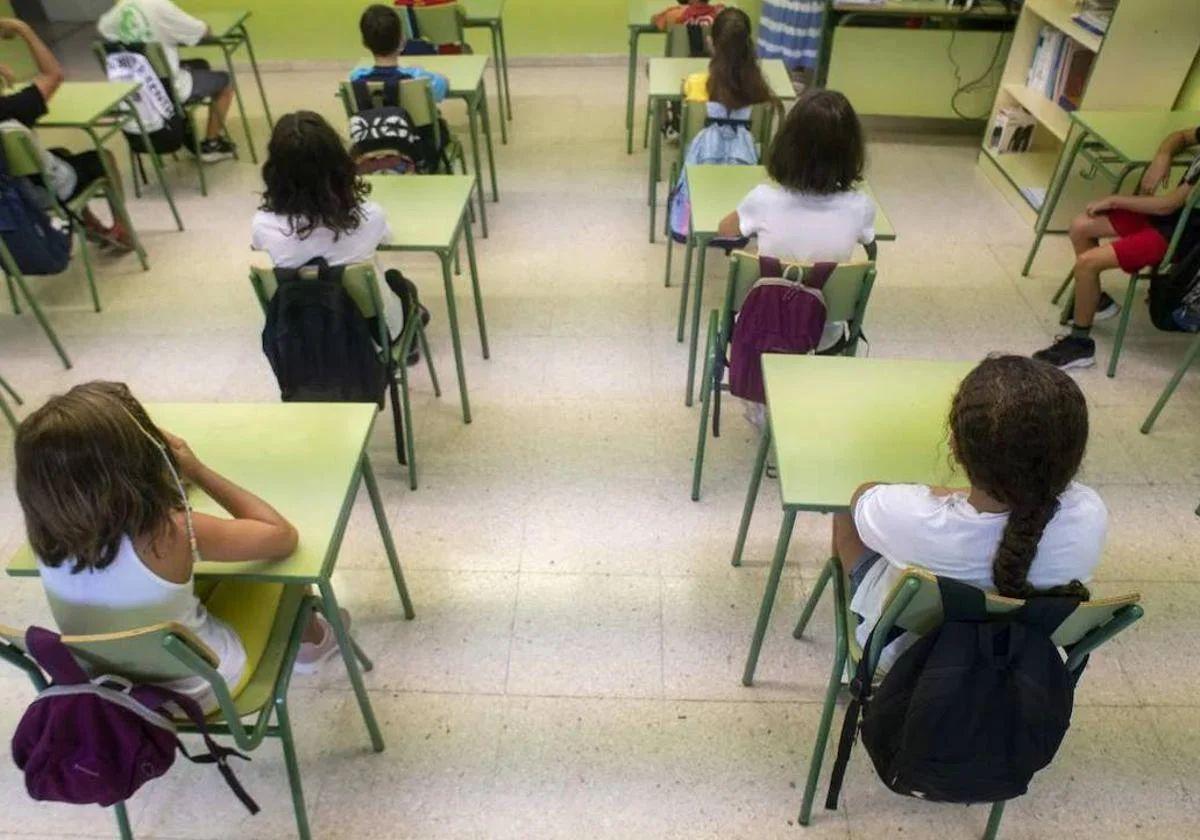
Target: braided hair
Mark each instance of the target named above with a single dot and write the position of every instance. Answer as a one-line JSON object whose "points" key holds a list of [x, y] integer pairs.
{"points": [[1019, 428]]}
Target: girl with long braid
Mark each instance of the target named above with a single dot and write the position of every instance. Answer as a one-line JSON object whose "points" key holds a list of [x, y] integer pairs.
{"points": [[1018, 429]]}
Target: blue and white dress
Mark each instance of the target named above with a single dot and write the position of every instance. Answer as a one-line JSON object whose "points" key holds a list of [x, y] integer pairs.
{"points": [[791, 30]]}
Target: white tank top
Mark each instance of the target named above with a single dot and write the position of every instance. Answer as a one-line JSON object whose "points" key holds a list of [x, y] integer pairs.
{"points": [[126, 595]]}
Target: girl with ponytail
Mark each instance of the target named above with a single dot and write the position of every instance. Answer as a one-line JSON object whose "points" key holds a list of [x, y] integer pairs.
{"points": [[734, 78], [1018, 429]]}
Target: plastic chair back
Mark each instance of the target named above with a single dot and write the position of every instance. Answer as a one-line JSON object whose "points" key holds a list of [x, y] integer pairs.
{"points": [[677, 42], [151, 49], [22, 152], [415, 97], [440, 24], [358, 279], [846, 292]]}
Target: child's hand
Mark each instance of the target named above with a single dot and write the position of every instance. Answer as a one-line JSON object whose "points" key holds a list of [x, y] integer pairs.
{"points": [[1155, 175], [1100, 207], [189, 464], [7, 75]]}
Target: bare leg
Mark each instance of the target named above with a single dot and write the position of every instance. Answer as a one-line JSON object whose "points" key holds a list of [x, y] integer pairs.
{"points": [[1091, 259], [217, 112]]}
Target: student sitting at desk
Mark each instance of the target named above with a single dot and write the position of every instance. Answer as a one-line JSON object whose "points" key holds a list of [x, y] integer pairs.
{"points": [[699, 12], [383, 36], [1018, 428], [107, 515], [70, 173], [1143, 225], [162, 22]]}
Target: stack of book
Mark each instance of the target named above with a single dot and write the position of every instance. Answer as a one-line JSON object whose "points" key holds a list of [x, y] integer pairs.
{"points": [[1094, 15], [1012, 130], [1060, 67]]}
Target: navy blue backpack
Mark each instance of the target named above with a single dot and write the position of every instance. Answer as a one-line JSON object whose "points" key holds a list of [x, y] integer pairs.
{"points": [[37, 245]]}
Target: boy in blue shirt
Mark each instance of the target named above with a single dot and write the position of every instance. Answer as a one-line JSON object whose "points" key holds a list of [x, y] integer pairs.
{"points": [[382, 35]]}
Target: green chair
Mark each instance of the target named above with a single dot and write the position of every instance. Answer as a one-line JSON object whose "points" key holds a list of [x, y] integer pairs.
{"points": [[915, 605], [363, 287], [24, 157], [442, 24], [170, 651], [417, 99], [1127, 304], [847, 293], [162, 68], [5, 409], [691, 123], [676, 46]]}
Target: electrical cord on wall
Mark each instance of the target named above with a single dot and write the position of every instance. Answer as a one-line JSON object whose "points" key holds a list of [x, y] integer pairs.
{"points": [[981, 82]]}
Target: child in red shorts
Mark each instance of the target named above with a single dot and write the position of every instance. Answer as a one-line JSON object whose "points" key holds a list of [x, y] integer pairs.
{"points": [[1142, 226]]}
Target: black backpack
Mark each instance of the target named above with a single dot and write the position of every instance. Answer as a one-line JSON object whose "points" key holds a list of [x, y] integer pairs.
{"points": [[38, 246], [972, 710], [1177, 288], [317, 341], [384, 130]]}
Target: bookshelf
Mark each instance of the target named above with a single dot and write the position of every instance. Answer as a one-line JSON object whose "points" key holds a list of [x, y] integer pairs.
{"points": [[1140, 63]]}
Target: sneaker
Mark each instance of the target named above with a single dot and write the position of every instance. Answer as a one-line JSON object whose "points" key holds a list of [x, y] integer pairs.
{"points": [[216, 149], [1107, 308], [312, 654], [1069, 352]]}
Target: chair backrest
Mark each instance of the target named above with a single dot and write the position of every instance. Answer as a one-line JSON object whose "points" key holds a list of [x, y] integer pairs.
{"points": [[22, 151], [846, 292], [695, 113], [140, 655], [919, 601], [151, 49], [416, 98], [359, 280], [442, 24], [1181, 226], [678, 45]]}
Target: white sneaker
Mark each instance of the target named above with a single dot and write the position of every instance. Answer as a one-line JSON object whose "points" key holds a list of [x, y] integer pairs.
{"points": [[312, 654]]}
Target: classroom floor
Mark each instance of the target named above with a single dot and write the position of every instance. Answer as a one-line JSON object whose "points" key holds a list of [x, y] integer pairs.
{"points": [[574, 666]]}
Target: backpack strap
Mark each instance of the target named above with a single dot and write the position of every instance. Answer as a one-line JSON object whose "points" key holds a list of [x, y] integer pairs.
{"points": [[726, 121], [860, 697], [54, 657], [818, 275], [158, 698], [769, 267], [391, 92], [1045, 612], [362, 96], [961, 601]]}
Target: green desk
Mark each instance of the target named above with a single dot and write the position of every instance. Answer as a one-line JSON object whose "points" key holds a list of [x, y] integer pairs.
{"points": [[464, 73], [490, 14], [666, 84], [99, 110], [638, 21], [838, 422], [306, 459], [429, 213], [229, 32], [715, 192], [1115, 143]]}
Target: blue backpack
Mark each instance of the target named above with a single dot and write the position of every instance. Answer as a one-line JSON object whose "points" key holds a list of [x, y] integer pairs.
{"points": [[37, 245], [725, 140]]}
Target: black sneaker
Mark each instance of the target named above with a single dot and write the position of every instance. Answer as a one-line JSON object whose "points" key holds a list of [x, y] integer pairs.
{"points": [[1069, 352], [1107, 308], [216, 149]]}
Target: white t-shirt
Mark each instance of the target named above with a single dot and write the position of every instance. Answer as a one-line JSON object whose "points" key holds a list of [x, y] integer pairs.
{"points": [[155, 21], [273, 233], [799, 227], [910, 526]]}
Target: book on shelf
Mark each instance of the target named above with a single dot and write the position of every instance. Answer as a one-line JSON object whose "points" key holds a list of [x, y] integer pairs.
{"points": [[1074, 76], [1059, 68], [1094, 15], [1012, 130], [1036, 196]]}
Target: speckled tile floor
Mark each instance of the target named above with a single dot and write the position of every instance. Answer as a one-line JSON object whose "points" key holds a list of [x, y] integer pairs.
{"points": [[573, 668]]}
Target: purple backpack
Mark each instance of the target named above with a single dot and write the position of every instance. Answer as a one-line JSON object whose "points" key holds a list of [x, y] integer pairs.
{"points": [[778, 316], [96, 741]]}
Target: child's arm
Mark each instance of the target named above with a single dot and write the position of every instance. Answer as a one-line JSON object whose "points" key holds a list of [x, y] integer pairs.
{"points": [[848, 546], [1160, 167], [256, 532], [730, 227], [1149, 205], [49, 72]]}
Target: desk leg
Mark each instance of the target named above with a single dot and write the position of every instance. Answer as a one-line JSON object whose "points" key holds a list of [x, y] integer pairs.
{"points": [[756, 474], [768, 602], [118, 203], [474, 269], [455, 338], [384, 531], [500, 92], [158, 169], [473, 130], [683, 286], [504, 67], [487, 136], [262, 92], [633, 47], [346, 646], [1052, 195], [697, 298], [655, 157], [228, 50]]}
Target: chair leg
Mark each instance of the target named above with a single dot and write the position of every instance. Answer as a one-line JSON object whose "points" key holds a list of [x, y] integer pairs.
{"points": [[683, 290], [1122, 326], [136, 169], [397, 422], [707, 387], [18, 278], [1063, 288], [293, 768], [815, 596], [667, 273], [993, 823], [123, 821], [1189, 358], [12, 295], [85, 255], [437, 389], [821, 741], [409, 444]]}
